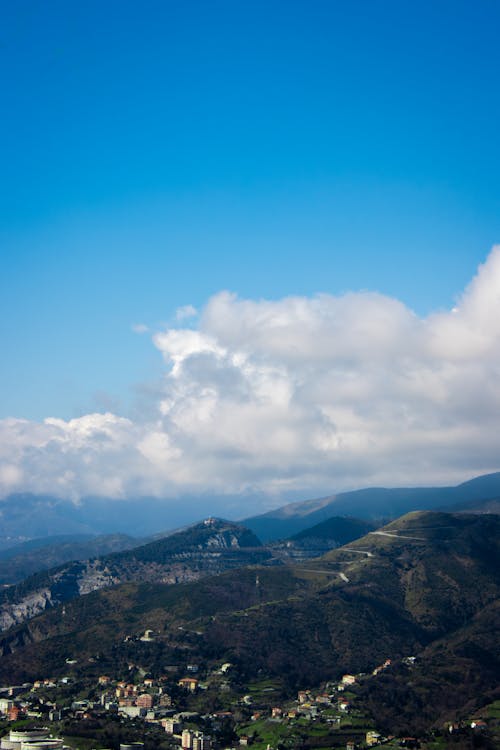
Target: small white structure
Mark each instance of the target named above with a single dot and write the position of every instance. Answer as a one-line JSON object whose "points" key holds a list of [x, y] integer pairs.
{"points": [[5, 704]]}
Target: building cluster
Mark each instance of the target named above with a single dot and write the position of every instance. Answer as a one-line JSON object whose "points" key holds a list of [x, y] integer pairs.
{"points": [[146, 700], [149, 701]]}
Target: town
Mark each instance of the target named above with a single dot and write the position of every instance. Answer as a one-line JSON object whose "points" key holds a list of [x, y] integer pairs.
{"points": [[195, 707]]}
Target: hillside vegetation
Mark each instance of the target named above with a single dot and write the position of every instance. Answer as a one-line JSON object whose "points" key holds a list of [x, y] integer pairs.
{"points": [[204, 549], [372, 503], [425, 586]]}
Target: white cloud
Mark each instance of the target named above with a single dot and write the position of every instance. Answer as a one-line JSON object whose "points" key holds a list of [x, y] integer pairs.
{"points": [[140, 328], [187, 311], [311, 394]]}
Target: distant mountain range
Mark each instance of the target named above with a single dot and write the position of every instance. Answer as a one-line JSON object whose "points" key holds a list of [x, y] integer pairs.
{"points": [[373, 503], [425, 586], [28, 558], [26, 516]]}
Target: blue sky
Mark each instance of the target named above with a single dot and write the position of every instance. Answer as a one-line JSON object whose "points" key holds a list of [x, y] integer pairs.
{"points": [[157, 154]]}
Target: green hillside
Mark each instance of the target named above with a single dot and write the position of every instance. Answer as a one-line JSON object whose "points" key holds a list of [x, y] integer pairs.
{"points": [[206, 548], [426, 585], [372, 503], [339, 529]]}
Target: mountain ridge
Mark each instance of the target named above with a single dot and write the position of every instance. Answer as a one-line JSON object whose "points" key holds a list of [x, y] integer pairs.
{"points": [[370, 503], [202, 549], [26, 516]]}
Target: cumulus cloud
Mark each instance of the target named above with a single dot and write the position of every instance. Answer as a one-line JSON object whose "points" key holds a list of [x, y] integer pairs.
{"points": [[299, 394]]}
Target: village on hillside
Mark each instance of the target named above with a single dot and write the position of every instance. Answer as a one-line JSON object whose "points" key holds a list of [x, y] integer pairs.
{"points": [[208, 709]]}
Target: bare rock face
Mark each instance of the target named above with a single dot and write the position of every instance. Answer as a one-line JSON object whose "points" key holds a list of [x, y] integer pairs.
{"points": [[96, 575], [206, 549], [26, 608]]}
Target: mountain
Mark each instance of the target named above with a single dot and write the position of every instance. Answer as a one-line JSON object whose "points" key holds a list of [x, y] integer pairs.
{"points": [[387, 595], [337, 530], [492, 505], [28, 558], [425, 586], [371, 503], [172, 559], [204, 549], [319, 539], [453, 676], [26, 516], [31, 545]]}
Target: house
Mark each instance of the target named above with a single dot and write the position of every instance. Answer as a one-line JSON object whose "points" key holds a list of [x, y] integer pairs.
{"points": [[323, 699], [372, 738], [132, 711], [188, 683], [13, 713], [145, 701], [348, 679], [126, 701], [478, 724], [5, 704], [171, 726], [409, 660]]}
